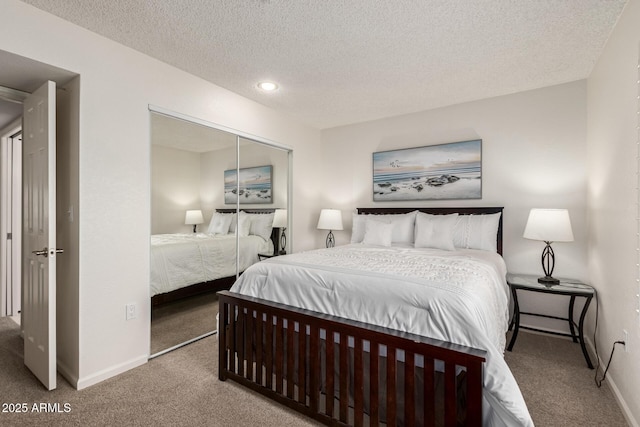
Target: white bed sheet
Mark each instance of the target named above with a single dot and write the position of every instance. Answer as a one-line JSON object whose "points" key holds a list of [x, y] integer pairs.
{"points": [[456, 296], [179, 260]]}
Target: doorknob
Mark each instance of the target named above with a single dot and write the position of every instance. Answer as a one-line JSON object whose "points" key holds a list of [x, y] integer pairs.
{"points": [[46, 252]]}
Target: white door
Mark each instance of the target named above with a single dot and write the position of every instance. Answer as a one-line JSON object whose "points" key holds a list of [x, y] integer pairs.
{"points": [[39, 233]]}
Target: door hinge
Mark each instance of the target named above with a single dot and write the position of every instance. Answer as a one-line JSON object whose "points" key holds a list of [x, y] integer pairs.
{"points": [[9, 236]]}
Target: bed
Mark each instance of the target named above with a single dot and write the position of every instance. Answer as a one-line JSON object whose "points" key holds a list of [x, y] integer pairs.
{"points": [[404, 326], [188, 264]]}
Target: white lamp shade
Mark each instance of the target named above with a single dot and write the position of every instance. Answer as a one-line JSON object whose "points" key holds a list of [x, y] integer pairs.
{"points": [[280, 218], [193, 217], [549, 225], [330, 219]]}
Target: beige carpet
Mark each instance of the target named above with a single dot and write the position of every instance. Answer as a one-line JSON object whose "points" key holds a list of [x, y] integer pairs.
{"points": [[179, 321], [179, 388], [182, 388], [557, 384]]}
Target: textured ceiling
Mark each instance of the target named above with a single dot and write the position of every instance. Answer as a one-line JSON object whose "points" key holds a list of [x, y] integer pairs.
{"points": [[339, 62]]}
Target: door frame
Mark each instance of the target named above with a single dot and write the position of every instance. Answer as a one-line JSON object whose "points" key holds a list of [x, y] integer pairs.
{"points": [[10, 223]]}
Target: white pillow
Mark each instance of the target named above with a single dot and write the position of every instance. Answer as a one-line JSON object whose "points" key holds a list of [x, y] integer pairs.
{"points": [[244, 224], [261, 225], [477, 232], [358, 228], [219, 223], [435, 231], [377, 233], [403, 226], [234, 222]]}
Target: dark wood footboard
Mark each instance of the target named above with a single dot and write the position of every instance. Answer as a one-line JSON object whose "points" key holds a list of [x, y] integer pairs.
{"points": [[343, 372]]}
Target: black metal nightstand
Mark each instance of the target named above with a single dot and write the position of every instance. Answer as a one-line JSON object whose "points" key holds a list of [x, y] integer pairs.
{"points": [[571, 288]]}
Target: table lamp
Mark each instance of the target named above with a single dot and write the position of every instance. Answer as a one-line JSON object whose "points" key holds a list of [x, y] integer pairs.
{"points": [[330, 219], [280, 221], [193, 217], [548, 225]]}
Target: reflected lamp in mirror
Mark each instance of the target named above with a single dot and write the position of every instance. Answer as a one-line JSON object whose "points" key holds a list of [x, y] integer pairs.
{"points": [[548, 226], [193, 217], [280, 221], [330, 219]]}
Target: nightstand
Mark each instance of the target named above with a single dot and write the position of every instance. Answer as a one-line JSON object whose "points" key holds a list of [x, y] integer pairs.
{"points": [[571, 288]]}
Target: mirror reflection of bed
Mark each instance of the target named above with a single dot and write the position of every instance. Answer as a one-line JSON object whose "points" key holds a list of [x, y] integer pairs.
{"points": [[188, 164]]}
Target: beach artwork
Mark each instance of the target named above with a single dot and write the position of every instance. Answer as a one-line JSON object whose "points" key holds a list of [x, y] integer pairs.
{"points": [[445, 171], [253, 187]]}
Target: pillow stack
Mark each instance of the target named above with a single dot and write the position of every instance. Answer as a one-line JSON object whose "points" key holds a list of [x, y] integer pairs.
{"points": [[247, 224], [422, 230]]}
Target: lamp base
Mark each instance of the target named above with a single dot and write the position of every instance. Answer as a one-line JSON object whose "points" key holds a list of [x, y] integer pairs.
{"points": [[548, 281]]}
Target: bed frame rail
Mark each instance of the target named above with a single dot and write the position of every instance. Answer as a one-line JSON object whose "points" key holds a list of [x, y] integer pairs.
{"points": [[366, 375]]}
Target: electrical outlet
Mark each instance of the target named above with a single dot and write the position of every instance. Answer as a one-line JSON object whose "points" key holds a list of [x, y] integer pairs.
{"points": [[131, 311], [625, 338]]}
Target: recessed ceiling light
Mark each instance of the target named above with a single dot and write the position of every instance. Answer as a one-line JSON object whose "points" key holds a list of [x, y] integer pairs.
{"points": [[268, 86]]}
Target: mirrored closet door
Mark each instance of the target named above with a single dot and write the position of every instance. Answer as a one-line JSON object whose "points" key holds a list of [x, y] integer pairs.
{"points": [[207, 184]]}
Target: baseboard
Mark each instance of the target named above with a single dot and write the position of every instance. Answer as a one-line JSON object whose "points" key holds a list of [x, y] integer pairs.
{"points": [[111, 372], [614, 389]]}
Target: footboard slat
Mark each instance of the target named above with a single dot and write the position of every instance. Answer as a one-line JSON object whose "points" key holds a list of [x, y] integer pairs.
{"points": [[248, 340], [358, 386], [314, 368], [259, 343], [269, 347], [374, 375], [450, 390], [240, 340], [391, 386], [330, 373], [279, 353], [232, 336], [344, 378], [342, 372], [429, 390], [302, 365], [291, 364], [409, 392]]}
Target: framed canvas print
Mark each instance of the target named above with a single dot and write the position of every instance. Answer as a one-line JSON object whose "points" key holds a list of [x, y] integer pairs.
{"points": [[253, 187], [434, 172]]}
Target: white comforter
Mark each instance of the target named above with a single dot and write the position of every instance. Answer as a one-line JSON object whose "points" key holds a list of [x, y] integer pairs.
{"points": [[179, 260], [460, 297]]}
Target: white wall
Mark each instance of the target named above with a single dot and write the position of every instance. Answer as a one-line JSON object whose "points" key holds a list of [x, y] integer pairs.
{"points": [[117, 85], [533, 155], [214, 163], [613, 137], [175, 187]]}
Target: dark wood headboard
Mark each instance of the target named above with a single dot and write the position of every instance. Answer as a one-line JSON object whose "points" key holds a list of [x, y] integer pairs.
{"points": [[275, 237], [443, 211]]}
